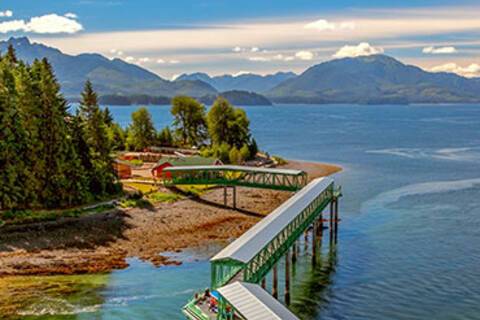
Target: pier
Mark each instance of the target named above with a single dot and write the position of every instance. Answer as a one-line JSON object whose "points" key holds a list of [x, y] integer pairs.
{"points": [[238, 272]]}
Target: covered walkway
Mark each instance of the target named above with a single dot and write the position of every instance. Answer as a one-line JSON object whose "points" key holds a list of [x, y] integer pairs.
{"points": [[251, 302], [232, 175]]}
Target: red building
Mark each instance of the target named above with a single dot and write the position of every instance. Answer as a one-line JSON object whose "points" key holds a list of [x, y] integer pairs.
{"points": [[157, 171]]}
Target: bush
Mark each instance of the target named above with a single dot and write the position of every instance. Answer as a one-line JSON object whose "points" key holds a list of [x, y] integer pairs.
{"points": [[234, 156], [245, 153]]}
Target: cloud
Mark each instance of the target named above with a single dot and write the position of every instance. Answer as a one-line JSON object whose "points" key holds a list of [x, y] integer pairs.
{"points": [[174, 61], [71, 15], [116, 52], [47, 24], [6, 13], [238, 49], [362, 49], [324, 25], [439, 50], [259, 59], [304, 55], [129, 59], [12, 26], [143, 60], [470, 71], [160, 61]]}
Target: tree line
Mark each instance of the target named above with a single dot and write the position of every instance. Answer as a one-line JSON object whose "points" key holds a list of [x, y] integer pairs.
{"points": [[223, 132], [50, 158], [53, 158]]}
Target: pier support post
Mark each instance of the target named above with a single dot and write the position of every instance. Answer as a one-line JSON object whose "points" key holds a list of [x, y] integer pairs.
{"points": [[234, 189], [275, 282], [225, 195], [314, 244], [331, 220], [287, 277], [336, 220], [294, 252], [306, 240]]}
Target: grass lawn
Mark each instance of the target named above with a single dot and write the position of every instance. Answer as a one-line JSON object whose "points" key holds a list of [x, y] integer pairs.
{"points": [[144, 188]]}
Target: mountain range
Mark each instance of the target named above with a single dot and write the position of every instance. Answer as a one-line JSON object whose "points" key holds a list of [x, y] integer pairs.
{"points": [[375, 79], [246, 81], [108, 76]]}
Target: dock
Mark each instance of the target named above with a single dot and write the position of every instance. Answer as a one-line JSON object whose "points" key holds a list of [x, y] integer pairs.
{"points": [[238, 271]]}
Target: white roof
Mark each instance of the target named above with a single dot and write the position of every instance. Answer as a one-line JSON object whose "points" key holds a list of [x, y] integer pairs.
{"points": [[256, 238], [254, 303], [236, 168]]}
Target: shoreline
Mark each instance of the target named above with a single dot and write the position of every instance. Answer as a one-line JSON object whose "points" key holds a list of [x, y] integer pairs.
{"points": [[102, 242]]}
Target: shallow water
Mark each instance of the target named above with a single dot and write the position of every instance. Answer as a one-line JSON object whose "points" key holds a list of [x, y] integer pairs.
{"points": [[409, 242]]}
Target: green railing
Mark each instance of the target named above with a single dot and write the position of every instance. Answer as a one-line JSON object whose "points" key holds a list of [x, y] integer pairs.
{"points": [[192, 310], [223, 271], [275, 179], [257, 268]]}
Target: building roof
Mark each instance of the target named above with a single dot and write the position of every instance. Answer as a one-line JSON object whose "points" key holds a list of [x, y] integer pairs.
{"points": [[254, 303], [237, 168], [256, 238]]}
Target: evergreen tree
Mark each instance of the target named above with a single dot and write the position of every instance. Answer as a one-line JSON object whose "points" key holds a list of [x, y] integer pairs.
{"points": [[107, 117], [11, 56], [165, 137], [12, 141], [56, 150], [253, 147], [27, 94], [96, 137]]}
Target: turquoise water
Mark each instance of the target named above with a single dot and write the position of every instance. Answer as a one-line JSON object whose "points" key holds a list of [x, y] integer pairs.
{"points": [[409, 242]]}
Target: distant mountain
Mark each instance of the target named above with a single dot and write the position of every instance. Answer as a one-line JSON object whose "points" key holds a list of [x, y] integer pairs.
{"points": [[374, 79], [239, 98], [246, 82], [108, 76]]}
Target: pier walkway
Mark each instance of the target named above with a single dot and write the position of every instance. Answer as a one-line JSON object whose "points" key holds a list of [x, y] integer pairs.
{"points": [[237, 270], [231, 176]]}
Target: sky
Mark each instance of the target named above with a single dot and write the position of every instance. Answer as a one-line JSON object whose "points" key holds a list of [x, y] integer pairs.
{"points": [[235, 37]]}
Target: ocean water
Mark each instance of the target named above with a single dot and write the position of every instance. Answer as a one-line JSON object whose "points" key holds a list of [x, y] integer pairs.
{"points": [[409, 240]]}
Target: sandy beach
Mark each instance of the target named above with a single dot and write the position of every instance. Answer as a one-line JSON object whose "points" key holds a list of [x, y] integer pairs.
{"points": [[102, 242]]}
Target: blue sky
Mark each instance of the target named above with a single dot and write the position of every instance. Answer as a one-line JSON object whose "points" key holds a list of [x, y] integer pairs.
{"points": [[172, 37]]}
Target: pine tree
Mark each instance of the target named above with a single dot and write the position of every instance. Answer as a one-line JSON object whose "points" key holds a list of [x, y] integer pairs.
{"points": [[53, 132], [96, 137], [12, 141], [29, 114]]}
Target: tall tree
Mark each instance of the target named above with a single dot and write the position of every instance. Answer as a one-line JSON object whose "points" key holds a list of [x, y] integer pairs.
{"points": [[141, 133], [27, 94], [227, 124], [12, 140], [219, 118], [189, 120], [53, 130], [98, 142]]}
